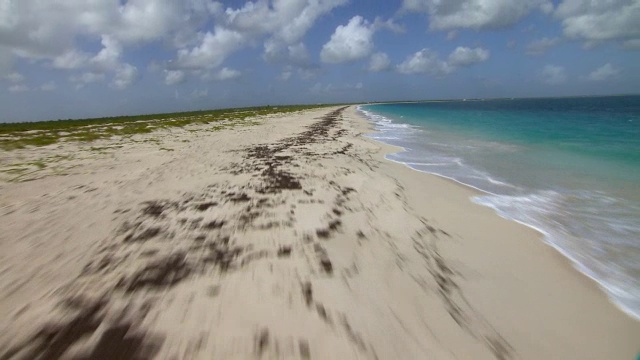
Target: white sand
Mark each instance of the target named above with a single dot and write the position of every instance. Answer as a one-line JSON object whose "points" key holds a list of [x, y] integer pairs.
{"points": [[289, 239]]}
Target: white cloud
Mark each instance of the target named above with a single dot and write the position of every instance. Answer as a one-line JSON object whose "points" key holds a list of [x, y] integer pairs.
{"points": [[37, 29], [218, 75], [596, 21], [173, 77], [49, 86], [227, 74], [318, 88], [633, 44], [296, 54], [284, 22], [6, 60], [553, 74], [288, 21], [106, 61], [124, 76], [108, 58], [428, 62], [286, 75], [379, 62], [464, 56], [71, 59], [18, 88], [474, 14], [86, 78], [349, 42], [61, 32], [425, 61], [308, 74], [14, 77], [199, 94], [603, 73], [147, 20], [388, 24], [540, 46], [547, 8], [212, 51]]}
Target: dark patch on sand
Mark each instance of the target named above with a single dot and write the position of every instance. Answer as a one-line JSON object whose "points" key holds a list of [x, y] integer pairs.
{"points": [[307, 293], [284, 251], [118, 341], [206, 205], [215, 224], [303, 346], [143, 235], [262, 341], [160, 274]]}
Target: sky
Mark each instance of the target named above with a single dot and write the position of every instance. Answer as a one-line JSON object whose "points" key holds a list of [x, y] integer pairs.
{"points": [[92, 58]]}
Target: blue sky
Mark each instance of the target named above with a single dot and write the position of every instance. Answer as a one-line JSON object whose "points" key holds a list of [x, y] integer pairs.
{"points": [[87, 58]]}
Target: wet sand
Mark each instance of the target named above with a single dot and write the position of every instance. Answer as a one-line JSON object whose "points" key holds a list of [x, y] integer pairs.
{"points": [[290, 238]]}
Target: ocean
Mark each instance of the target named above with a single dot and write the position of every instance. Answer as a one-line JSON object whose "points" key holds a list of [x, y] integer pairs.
{"points": [[568, 167]]}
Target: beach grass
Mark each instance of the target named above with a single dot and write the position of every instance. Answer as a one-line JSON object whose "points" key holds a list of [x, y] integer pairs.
{"points": [[36, 134]]}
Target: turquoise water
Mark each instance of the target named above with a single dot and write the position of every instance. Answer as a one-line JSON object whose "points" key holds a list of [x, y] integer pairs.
{"points": [[569, 167]]}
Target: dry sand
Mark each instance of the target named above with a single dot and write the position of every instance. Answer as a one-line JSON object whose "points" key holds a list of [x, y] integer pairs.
{"points": [[293, 238]]}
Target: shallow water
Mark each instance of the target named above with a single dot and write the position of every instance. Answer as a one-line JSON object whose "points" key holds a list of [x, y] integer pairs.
{"points": [[569, 167]]}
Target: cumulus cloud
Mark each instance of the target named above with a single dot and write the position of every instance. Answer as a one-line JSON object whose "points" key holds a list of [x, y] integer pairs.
{"points": [[285, 23], [106, 61], [296, 54], [199, 94], [428, 62], [227, 74], [49, 86], [553, 75], [379, 62], [70, 59], [124, 76], [318, 88], [14, 77], [35, 29], [81, 80], [212, 51], [108, 58], [281, 24], [540, 46], [425, 61], [474, 14], [62, 32], [18, 88], [603, 73], [633, 44], [286, 75], [597, 21], [172, 77], [388, 24], [464, 56], [349, 42]]}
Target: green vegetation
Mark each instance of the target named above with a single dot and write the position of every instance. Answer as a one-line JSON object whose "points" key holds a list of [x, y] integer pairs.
{"points": [[26, 170], [21, 135]]}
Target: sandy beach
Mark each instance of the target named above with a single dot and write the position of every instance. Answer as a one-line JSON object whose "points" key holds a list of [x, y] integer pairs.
{"points": [[287, 237]]}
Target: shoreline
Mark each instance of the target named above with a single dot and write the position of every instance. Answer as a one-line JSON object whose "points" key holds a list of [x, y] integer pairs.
{"points": [[289, 237], [580, 268], [555, 254]]}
